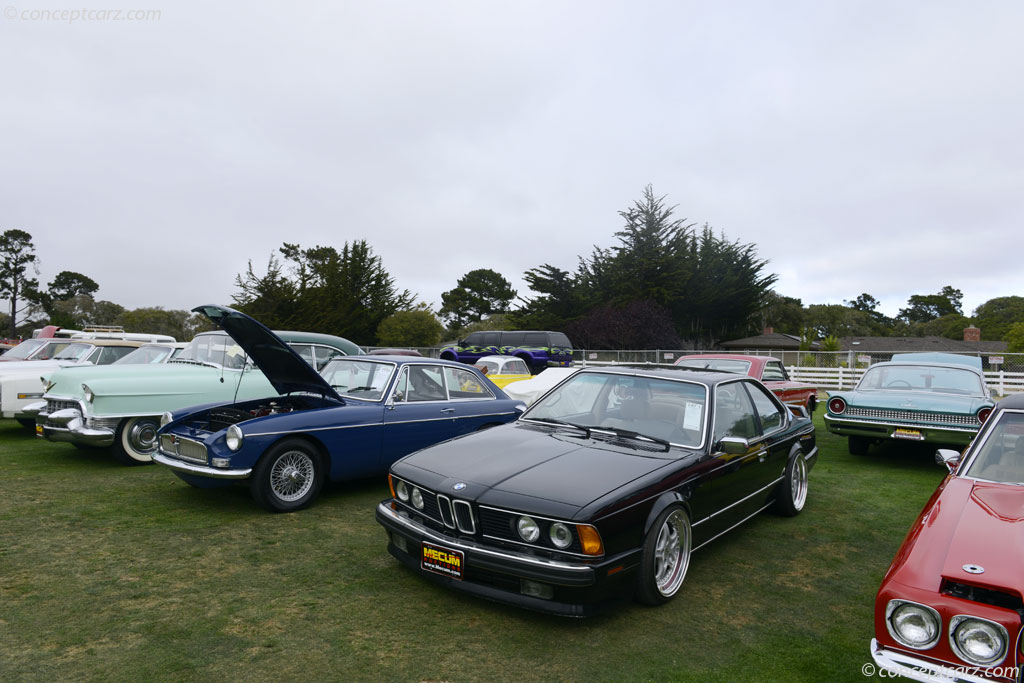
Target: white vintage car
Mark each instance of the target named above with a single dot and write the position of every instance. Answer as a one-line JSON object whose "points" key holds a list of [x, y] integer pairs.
{"points": [[24, 382]]}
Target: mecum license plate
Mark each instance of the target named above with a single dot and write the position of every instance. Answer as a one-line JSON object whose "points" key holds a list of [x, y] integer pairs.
{"points": [[39, 430], [450, 563], [912, 434]]}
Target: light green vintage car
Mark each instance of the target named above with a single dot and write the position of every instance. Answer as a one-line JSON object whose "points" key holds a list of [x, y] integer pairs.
{"points": [[121, 406]]}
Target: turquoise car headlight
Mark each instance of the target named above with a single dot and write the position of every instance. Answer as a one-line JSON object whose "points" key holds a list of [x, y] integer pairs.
{"points": [[233, 438], [87, 394]]}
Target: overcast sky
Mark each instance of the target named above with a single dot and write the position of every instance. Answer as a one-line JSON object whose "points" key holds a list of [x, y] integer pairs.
{"points": [[862, 146]]}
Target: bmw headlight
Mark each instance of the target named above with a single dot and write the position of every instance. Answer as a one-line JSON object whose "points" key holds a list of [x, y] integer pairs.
{"points": [[560, 535], [87, 393], [166, 419], [528, 529], [977, 641], [233, 438], [402, 491], [417, 498], [913, 625]]}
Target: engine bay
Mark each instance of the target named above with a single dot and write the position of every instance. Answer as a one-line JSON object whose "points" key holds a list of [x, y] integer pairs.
{"points": [[224, 416]]}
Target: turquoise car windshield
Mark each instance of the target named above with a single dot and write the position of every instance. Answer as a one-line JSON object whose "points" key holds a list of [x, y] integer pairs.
{"points": [[216, 349], [937, 379], [358, 378], [1001, 458]]}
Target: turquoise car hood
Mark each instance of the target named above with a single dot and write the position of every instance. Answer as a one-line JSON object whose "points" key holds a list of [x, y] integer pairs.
{"points": [[914, 400], [154, 389]]}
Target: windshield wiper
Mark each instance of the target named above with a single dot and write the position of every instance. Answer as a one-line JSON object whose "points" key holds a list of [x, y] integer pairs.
{"points": [[560, 423], [630, 434]]}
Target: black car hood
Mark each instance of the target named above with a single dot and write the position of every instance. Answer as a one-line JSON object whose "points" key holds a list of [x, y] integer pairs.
{"points": [[280, 364], [536, 462]]}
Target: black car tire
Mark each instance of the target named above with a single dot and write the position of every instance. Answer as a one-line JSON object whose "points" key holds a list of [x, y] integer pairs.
{"points": [[858, 445], [666, 557], [812, 404], [288, 476], [135, 440], [27, 423], [792, 491]]}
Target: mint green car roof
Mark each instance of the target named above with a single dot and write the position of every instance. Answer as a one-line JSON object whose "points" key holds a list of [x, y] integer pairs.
{"points": [[936, 357], [350, 348]]}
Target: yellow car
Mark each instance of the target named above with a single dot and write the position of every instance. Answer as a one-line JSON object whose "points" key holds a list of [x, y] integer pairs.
{"points": [[503, 370]]}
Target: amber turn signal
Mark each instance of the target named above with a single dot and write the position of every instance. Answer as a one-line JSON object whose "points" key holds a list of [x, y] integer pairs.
{"points": [[590, 540], [391, 485]]}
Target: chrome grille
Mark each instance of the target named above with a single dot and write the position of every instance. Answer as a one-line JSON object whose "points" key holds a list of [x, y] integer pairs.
{"points": [[186, 449], [911, 416], [53, 405], [454, 514], [103, 423]]}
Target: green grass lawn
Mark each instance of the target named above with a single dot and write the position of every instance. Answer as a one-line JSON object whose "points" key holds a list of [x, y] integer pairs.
{"points": [[116, 573]]}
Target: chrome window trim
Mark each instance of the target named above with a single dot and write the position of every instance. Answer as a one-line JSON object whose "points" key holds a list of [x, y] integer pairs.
{"points": [[732, 505], [777, 402], [978, 444], [725, 531]]}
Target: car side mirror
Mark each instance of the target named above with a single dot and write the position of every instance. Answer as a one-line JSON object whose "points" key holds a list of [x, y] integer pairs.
{"points": [[948, 457], [798, 410], [733, 445]]}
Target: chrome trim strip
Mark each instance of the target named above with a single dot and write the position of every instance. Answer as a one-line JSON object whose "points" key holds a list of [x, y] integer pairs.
{"points": [[909, 666], [378, 424], [732, 505], [200, 470], [460, 544], [755, 514], [908, 425]]}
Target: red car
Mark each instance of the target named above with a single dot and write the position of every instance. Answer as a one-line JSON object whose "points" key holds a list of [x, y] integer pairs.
{"points": [[950, 606], [765, 368]]}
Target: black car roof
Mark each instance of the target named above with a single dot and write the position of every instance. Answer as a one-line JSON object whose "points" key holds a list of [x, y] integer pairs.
{"points": [[1014, 402]]}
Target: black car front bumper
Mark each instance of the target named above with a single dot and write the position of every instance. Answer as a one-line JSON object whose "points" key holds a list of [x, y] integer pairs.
{"points": [[577, 588]]}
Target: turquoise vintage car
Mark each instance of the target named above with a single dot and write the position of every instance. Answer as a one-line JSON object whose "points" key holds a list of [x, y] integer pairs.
{"points": [[121, 406], [935, 397]]}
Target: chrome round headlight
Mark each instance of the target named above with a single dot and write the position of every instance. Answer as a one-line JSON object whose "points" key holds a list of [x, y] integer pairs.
{"points": [[560, 535], [402, 491], [87, 394], [233, 438], [417, 498], [977, 641], [528, 529], [166, 419], [913, 625]]}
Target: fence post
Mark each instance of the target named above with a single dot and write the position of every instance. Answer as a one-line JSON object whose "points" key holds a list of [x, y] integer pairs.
{"points": [[840, 377], [1002, 389]]}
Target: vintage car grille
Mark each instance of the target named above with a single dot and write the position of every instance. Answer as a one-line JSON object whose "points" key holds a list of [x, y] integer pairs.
{"points": [[451, 512], [983, 595], [103, 423], [53, 405], [911, 416], [186, 449], [501, 524]]}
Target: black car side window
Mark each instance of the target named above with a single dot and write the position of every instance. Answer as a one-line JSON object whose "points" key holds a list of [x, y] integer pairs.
{"points": [[734, 414], [769, 413]]}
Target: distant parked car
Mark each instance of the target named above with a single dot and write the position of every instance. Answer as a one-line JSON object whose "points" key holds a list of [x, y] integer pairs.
{"points": [[538, 350], [120, 406], [22, 384], [396, 352], [353, 419], [603, 488], [769, 370], [939, 398], [950, 606], [529, 390], [503, 370], [34, 349]]}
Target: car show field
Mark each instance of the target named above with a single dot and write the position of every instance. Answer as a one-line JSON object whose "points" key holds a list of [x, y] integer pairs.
{"points": [[109, 572]]}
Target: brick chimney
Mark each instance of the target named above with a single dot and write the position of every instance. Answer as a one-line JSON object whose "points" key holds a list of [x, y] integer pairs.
{"points": [[769, 330], [972, 334]]}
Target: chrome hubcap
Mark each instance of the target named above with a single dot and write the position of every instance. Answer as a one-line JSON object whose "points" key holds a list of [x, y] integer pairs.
{"points": [[798, 483], [142, 436], [291, 477], [672, 553]]}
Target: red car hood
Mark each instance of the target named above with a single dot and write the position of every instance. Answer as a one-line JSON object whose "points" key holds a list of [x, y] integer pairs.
{"points": [[966, 523]]}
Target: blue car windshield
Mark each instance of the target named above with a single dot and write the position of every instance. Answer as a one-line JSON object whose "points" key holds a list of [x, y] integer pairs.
{"points": [[933, 378], [358, 378], [657, 408], [1001, 457]]}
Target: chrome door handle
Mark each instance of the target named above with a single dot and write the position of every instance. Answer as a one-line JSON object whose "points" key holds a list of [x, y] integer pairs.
{"points": [[762, 455], [448, 410]]}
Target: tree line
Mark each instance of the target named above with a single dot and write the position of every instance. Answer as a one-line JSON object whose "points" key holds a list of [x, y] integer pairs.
{"points": [[666, 282]]}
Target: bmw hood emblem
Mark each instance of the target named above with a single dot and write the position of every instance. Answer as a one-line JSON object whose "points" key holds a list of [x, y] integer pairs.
{"points": [[458, 487], [973, 569]]}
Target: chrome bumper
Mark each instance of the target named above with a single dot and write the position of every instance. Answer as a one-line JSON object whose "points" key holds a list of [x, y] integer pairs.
{"points": [[68, 425], [912, 667], [199, 470]]}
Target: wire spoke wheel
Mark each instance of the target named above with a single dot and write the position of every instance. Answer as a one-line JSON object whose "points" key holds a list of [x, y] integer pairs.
{"points": [[291, 476]]}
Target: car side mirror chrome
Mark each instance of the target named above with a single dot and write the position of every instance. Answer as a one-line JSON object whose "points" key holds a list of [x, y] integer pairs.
{"points": [[948, 457], [733, 445], [798, 410]]}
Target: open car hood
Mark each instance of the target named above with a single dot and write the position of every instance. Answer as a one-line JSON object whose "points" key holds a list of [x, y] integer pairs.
{"points": [[283, 367]]}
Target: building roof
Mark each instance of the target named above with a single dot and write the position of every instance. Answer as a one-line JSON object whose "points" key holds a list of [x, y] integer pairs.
{"points": [[917, 344], [773, 340]]}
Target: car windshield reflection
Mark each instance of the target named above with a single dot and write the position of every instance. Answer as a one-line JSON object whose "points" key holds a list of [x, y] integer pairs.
{"points": [[658, 410], [362, 379], [1001, 457], [937, 379]]}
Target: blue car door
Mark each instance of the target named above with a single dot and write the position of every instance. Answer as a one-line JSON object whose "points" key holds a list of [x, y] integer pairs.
{"points": [[472, 401], [419, 413]]}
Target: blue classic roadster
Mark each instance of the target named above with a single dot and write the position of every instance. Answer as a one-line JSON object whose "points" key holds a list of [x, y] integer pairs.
{"points": [[352, 420]]}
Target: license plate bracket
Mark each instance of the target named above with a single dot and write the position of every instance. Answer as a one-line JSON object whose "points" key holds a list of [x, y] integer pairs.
{"points": [[441, 560], [909, 434]]}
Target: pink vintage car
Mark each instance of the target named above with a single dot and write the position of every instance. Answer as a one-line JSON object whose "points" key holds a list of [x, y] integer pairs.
{"points": [[769, 370]]}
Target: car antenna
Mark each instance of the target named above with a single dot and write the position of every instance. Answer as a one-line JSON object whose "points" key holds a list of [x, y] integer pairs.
{"points": [[238, 384]]}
